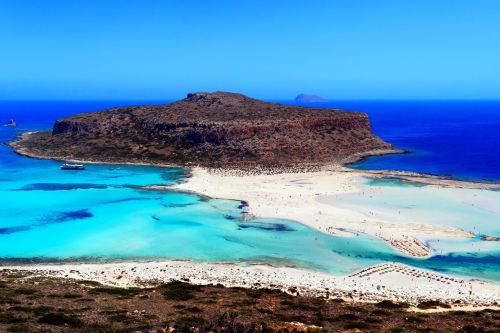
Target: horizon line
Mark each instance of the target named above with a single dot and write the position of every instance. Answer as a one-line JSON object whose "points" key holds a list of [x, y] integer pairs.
{"points": [[328, 100]]}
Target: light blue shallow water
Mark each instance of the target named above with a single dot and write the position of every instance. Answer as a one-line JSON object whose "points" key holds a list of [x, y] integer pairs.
{"points": [[476, 211], [103, 214]]}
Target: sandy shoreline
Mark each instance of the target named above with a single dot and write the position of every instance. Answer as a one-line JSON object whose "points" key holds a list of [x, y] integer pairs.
{"points": [[385, 281], [310, 198]]}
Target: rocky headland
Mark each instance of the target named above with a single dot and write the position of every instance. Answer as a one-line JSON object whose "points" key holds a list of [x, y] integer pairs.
{"points": [[209, 129]]}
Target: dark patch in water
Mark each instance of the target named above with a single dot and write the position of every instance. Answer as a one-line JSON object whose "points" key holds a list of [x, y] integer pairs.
{"points": [[266, 226], [178, 205], [74, 215], [11, 230], [185, 223], [60, 187], [59, 217], [470, 258], [229, 217], [126, 199], [394, 181], [175, 175], [155, 218], [236, 240]]}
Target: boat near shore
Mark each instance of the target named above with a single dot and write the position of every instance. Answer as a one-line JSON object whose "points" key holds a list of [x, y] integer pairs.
{"points": [[69, 166]]}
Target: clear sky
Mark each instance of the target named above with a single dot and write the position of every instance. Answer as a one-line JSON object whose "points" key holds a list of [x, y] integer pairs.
{"points": [[352, 49]]}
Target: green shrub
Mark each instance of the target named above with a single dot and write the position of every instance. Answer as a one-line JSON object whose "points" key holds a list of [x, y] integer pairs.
{"points": [[24, 291], [432, 305], [414, 319], [387, 304], [89, 283], [356, 324], [379, 312], [21, 328], [9, 318], [398, 329], [124, 292], [187, 324], [179, 291], [194, 309], [348, 316], [60, 319]]}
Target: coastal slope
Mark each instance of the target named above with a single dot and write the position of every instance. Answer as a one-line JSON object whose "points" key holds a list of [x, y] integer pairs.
{"points": [[209, 129]]}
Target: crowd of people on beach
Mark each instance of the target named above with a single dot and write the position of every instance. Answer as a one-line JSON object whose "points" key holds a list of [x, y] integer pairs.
{"points": [[417, 276]]}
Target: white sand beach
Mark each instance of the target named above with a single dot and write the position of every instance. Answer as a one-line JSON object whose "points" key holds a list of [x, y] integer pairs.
{"points": [[385, 281], [311, 198]]}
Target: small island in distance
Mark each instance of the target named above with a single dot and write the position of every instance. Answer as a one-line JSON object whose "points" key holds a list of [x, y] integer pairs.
{"points": [[11, 123], [305, 98]]}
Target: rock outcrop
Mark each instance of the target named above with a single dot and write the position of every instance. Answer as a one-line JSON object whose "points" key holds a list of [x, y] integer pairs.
{"points": [[11, 123], [210, 129]]}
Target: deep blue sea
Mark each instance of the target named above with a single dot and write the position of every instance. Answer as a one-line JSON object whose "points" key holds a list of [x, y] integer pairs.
{"points": [[460, 139], [103, 214]]}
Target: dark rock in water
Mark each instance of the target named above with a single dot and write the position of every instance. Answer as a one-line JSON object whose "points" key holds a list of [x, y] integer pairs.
{"points": [[11, 123], [72, 215], [208, 129], [266, 226], [490, 238], [304, 98]]}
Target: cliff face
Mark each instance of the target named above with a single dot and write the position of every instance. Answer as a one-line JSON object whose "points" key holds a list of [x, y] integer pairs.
{"points": [[211, 129]]}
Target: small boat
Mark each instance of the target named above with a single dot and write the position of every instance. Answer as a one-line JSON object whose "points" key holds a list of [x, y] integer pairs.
{"points": [[68, 166]]}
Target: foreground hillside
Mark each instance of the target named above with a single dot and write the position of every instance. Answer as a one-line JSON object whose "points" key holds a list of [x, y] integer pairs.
{"points": [[210, 129], [30, 304]]}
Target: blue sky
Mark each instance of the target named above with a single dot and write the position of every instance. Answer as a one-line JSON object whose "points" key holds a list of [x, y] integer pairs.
{"points": [[352, 49]]}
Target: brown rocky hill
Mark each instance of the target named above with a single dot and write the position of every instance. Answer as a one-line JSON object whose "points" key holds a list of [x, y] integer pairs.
{"points": [[210, 129]]}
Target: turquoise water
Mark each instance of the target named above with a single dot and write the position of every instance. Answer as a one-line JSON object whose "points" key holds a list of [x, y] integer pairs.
{"points": [[476, 211], [103, 213]]}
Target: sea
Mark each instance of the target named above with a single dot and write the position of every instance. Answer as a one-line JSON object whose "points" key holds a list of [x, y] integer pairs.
{"points": [[458, 139], [106, 213]]}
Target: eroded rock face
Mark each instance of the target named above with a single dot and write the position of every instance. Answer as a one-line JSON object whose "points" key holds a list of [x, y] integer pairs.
{"points": [[211, 129]]}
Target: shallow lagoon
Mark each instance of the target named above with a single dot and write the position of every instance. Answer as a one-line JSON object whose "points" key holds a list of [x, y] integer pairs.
{"points": [[101, 214], [472, 210]]}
